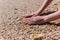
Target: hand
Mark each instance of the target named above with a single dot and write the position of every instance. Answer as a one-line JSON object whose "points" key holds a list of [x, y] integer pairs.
{"points": [[35, 20], [30, 15]]}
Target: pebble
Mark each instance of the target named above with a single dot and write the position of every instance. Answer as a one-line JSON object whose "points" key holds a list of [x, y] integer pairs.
{"points": [[37, 36]]}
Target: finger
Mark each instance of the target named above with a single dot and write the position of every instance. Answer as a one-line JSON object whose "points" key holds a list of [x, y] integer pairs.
{"points": [[34, 15], [40, 22], [26, 20], [29, 20]]}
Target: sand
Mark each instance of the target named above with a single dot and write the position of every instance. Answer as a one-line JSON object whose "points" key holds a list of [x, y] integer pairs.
{"points": [[11, 12]]}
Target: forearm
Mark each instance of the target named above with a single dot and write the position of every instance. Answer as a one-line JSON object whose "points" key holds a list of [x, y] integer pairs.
{"points": [[53, 16], [44, 5]]}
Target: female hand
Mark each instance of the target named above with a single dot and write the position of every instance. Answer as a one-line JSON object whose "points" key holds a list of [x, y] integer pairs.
{"points": [[35, 20]]}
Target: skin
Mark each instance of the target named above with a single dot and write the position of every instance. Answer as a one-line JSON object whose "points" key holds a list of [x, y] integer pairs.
{"points": [[34, 20], [34, 17]]}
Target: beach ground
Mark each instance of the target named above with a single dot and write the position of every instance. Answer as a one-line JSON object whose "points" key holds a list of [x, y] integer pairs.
{"points": [[11, 27]]}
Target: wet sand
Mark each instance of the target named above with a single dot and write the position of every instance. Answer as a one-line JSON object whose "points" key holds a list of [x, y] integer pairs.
{"points": [[11, 12]]}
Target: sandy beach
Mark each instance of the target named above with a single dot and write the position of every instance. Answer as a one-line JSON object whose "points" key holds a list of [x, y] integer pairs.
{"points": [[11, 27]]}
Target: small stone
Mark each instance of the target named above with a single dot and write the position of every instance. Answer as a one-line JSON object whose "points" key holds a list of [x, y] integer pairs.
{"points": [[15, 9], [9, 18], [55, 4], [15, 13], [31, 27], [1, 38], [37, 36]]}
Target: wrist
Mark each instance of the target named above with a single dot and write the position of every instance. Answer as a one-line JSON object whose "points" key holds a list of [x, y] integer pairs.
{"points": [[48, 18]]}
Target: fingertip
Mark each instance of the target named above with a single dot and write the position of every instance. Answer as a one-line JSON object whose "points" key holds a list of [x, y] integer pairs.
{"points": [[23, 16], [24, 22]]}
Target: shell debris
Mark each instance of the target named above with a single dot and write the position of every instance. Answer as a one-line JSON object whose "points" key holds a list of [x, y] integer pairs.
{"points": [[37, 36]]}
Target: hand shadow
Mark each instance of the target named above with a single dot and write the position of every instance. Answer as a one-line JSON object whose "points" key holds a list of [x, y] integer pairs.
{"points": [[48, 23]]}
